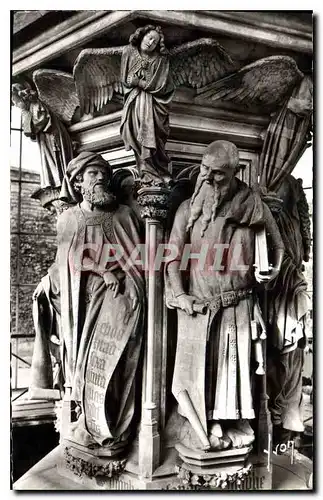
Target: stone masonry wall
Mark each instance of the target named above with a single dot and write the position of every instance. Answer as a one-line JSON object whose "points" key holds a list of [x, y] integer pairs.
{"points": [[37, 249]]}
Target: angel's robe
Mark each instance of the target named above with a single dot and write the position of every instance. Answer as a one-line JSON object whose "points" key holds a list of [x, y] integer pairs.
{"points": [[79, 295], [145, 117], [229, 293], [54, 142]]}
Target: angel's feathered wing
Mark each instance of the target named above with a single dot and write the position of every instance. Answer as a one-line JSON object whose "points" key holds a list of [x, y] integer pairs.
{"points": [[97, 76], [265, 82], [56, 89], [198, 63]]}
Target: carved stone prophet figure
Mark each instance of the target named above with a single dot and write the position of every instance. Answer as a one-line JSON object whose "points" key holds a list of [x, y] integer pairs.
{"points": [[213, 294], [147, 75], [100, 300], [289, 305]]}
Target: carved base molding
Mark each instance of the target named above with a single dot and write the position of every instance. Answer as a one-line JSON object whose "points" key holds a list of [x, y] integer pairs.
{"points": [[106, 451], [79, 466], [105, 461], [213, 470], [115, 473], [219, 480]]}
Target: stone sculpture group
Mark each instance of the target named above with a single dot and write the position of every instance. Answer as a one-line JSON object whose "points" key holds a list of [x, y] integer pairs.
{"points": [[96, 303]]}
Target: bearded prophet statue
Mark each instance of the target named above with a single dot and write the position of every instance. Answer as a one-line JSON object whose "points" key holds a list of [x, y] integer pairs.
{"points": [[215, 301], [99, 301]]}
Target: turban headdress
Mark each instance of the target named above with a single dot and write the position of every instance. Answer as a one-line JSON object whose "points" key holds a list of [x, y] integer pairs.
{"points": [[77, 166]]}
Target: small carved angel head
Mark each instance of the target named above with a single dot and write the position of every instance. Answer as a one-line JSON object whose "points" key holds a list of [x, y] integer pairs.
{"points": [[149, 39], [22, 95]]}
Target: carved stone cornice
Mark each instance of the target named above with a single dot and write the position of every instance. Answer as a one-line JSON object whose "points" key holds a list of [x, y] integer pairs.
{"points": [[289, 35], [236, 28], [275, 21], [70, 41], [51, 35], [188, 123]]}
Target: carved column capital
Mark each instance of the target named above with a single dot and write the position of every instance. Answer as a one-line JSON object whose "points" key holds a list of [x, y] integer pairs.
{"points": [[153, 202], [49, 199]]}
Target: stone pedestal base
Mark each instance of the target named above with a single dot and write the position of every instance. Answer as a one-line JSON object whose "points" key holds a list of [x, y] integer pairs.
{"points": [[211, 470], [114, 451], [47, 475], [95, 472], [91, 467]]}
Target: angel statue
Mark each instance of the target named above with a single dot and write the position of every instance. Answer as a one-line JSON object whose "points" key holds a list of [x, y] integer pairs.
{"points": [[45, 114], [147, 74]]}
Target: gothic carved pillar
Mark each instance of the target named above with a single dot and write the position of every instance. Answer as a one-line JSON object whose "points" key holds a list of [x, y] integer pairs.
{"points": [[153, 201]]}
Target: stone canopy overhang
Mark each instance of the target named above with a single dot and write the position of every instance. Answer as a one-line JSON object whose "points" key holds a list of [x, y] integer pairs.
{"points": [[246, 36]]}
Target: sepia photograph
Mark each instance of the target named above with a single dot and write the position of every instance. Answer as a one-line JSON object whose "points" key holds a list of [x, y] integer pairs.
{"points": [[161, 250]]}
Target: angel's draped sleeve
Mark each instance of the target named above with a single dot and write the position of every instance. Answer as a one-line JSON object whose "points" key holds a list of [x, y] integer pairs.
{"points": [[159, 79]]}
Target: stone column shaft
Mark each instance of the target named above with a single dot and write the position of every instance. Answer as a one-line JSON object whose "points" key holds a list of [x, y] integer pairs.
{"points": [[153, 200]]}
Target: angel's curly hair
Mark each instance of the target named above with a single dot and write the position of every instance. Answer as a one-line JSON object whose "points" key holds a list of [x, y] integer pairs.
{"points": [[137, 36]]}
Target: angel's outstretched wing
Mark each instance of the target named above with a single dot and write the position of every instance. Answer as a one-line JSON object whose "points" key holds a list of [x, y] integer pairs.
{"points": [[97, 76], [200, 62], [56, 89], [265, 82]]}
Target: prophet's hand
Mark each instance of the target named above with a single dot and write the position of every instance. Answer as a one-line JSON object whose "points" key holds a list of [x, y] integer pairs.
{"points": [[134, 81], [112, 283], [133, 297], [266, 278], [185, 302], [39, 291], [142, 84]]}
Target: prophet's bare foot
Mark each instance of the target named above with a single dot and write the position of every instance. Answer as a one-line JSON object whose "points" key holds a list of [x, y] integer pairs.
{"points": [[219, 443], [80, 435], [244, 426], [216, 429], [241, 434]]}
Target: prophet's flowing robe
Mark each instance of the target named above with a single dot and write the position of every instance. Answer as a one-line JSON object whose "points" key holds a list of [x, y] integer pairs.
{"points": [[83, 298], [289, 305], [145, 118], [227, 292]]}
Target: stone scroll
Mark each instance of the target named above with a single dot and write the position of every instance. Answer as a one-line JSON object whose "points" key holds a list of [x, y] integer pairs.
{"points": [[189, 373], [110, 337]]}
